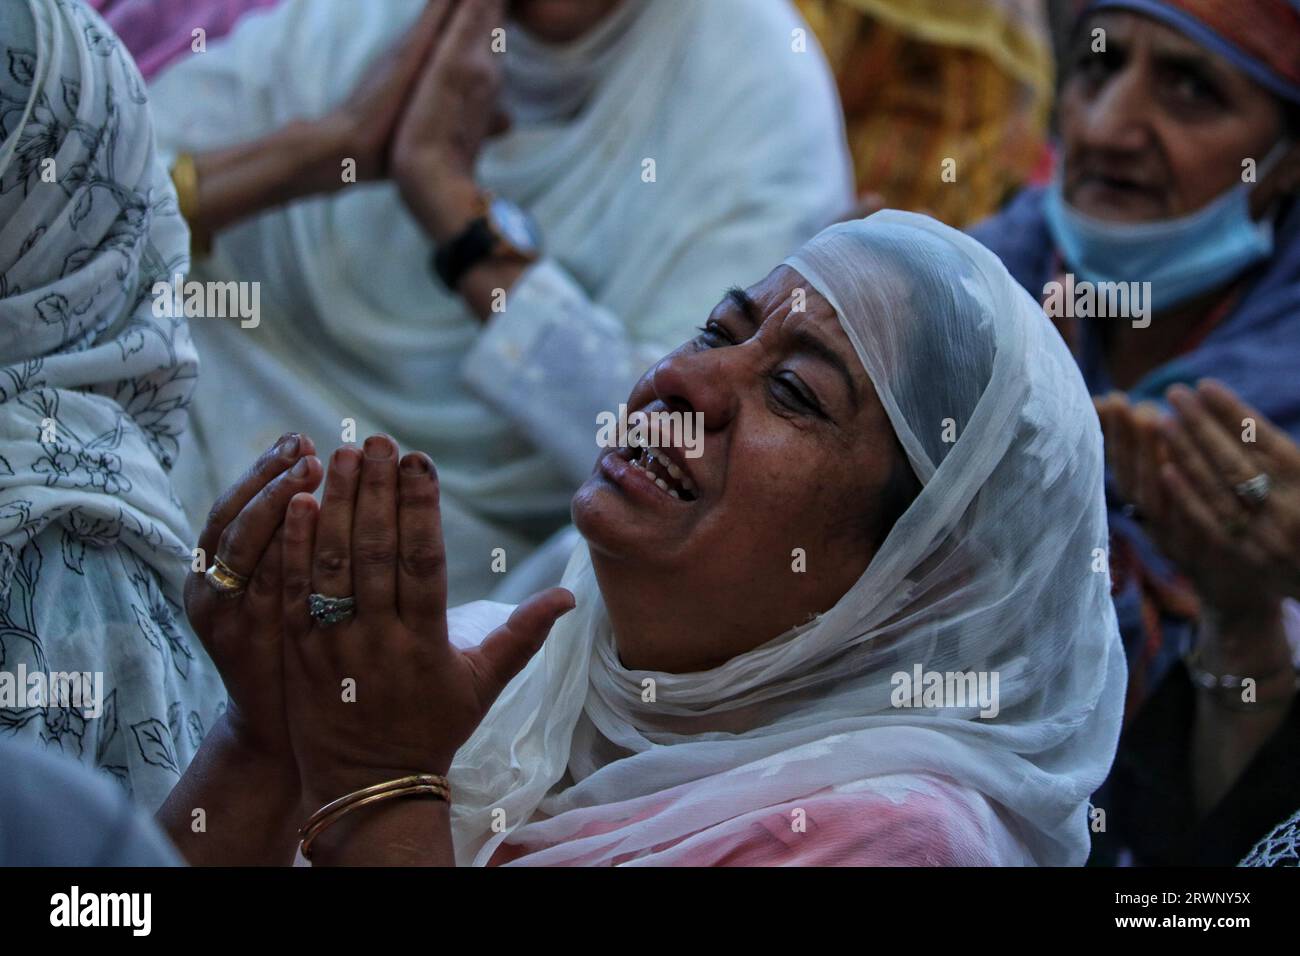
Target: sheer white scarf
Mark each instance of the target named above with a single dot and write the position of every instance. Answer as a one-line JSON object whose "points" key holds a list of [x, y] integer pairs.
{"points": [[998, 566]]}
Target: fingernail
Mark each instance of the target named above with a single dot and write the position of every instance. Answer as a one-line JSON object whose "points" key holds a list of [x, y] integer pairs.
{"points": [[289, 445], [346, 461], [300, 470], [378, 448], [299, 507], [415, 464]]}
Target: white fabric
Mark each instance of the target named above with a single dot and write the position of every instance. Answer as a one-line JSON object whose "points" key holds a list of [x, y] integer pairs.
{"points": [[992, 568], [1279, 847], [93, 397], [750, 161]]}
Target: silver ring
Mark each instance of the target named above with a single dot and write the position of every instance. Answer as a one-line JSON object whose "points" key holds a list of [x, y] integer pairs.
{"points": [[330, 610], [1254, 490]]}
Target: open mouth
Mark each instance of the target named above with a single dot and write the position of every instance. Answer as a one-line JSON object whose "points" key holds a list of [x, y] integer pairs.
{"points": [[668, 476]]}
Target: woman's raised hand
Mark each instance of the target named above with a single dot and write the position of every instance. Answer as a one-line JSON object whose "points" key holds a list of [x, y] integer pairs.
{"points": [[241, 628], [1234, 477], [383, 693], [1187, 473], [453, 108], [365, 123]]}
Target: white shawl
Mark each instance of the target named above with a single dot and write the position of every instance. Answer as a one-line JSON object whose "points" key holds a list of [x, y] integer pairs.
{"points": [[93, 397], [998, 566], [742, 126]]}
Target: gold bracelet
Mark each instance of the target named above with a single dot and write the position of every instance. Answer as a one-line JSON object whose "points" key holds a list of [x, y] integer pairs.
{"points": [[185, 177], [421, 784]]}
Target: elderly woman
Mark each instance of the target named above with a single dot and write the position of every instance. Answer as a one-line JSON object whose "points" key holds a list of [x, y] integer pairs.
{"points": [[477, 295], [901, 479], [1210, 762], [94, 389], [1178, 122]]}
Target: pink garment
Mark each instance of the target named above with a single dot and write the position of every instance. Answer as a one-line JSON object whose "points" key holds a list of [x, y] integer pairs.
{"points": [[160, 31], [934, 824]]}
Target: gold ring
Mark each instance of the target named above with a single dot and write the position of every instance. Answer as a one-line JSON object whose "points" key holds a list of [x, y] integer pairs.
{"points": [[224, 579]]}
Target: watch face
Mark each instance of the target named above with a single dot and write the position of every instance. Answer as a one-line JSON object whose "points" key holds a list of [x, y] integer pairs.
{"points": [[515, 226]]}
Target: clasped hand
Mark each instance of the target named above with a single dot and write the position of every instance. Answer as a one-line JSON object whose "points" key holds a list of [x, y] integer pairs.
{"points": [[422, 111]]}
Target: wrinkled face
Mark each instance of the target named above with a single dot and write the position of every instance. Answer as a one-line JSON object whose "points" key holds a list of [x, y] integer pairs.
{"points": [[1156, 126], [560, 21], [780, 513]]}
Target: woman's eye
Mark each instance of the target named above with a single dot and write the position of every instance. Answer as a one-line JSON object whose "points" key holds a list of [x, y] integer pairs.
{"points": [[1193, 89], [1092, 67], [713, 334], [793, 396]]}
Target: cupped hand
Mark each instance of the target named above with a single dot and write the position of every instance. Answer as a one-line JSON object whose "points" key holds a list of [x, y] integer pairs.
{"points": [[1180, 470], [1134, 452], [1220, 443], [241, 631], [385, 694]]}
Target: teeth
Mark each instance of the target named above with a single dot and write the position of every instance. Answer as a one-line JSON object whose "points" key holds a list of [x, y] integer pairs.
{"points": [[646, 457]]}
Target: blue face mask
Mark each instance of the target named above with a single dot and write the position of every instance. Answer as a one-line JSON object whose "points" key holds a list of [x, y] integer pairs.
{"points": [[1181, 258]]}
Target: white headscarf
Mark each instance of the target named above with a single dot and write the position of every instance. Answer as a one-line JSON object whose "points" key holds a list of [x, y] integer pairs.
{"points": [[995, 567], [94, 392]]}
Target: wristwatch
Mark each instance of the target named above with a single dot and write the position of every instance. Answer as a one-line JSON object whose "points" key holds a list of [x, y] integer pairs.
{"points": [[502, 231]]}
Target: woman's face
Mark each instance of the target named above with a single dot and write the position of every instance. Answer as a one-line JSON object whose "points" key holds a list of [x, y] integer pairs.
{"points": [[560, 21], [785, 508], [1156, 126]]}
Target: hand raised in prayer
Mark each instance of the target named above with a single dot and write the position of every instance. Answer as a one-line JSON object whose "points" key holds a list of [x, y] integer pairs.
{"points": [[451, 111], [1180, 471], [383, 693], [1220, 448], [241, 629], [365, 124]]}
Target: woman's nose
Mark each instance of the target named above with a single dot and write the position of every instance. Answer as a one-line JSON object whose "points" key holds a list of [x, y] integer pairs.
{"points": [[1118, 117], [697, 382]]}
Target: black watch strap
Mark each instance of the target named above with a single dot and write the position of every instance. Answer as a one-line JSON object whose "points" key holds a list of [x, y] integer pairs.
{"points": [[457, 256]]}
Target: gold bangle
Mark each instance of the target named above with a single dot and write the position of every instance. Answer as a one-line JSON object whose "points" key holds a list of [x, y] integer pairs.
{"points": [[185, 177], [423, 784]]}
